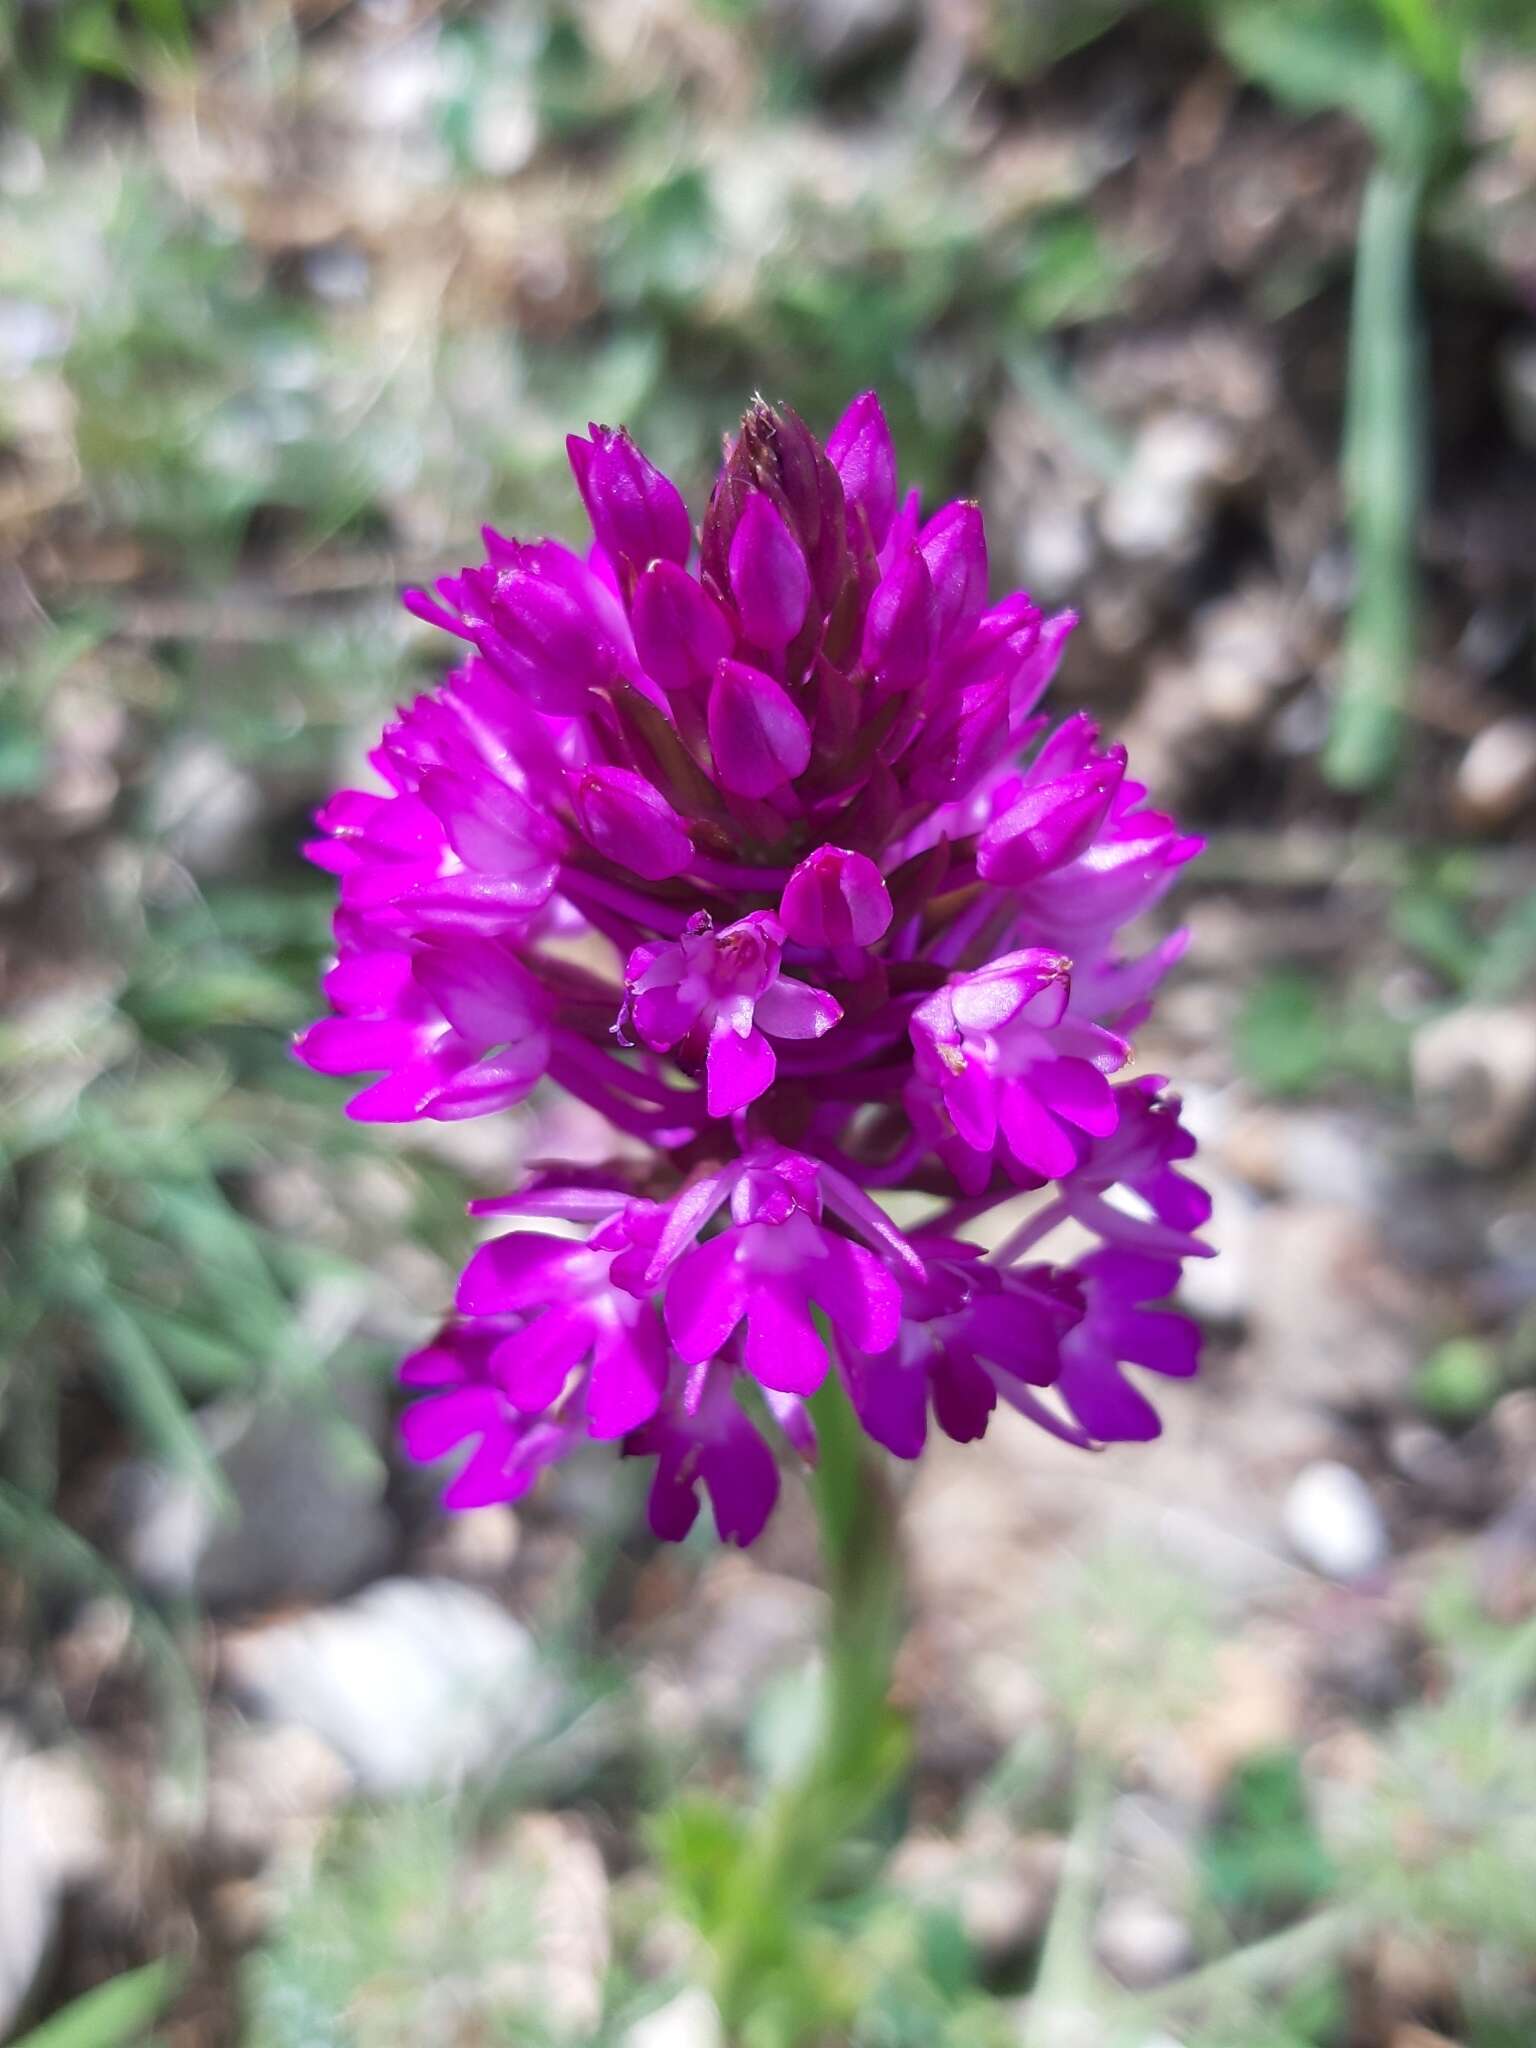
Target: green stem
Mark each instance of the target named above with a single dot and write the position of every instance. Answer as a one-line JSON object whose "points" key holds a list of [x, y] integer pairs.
{"points": [[1066, 1979], [1278, 1959], [860, 1745], [1381, 482]]}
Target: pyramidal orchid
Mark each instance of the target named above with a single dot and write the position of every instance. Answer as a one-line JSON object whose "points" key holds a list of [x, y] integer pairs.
{"points": [[757, 841]]}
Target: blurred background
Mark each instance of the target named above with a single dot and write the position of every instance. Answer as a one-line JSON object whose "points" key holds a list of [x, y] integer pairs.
{"points": [[1227, 313]]}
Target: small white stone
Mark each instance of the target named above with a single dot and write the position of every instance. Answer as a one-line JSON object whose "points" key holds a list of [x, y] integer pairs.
{"points": [[52, 1834], [1498, 771], [416, 1682], [562, 1977], [688, 2021], [271, 1785], [1158, 506], [204, 806], [1474, 1077], [30, 333], [1333, 1521], [1055, 547], [1142, 1942]]}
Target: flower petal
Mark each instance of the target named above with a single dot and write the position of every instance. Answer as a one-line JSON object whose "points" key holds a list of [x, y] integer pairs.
{"points": [[534, 1363], [736, 1070], [793, 1009], [706, 1298], [769, 579], [758, 738], [1074, 1090], [520, 1270], [629, 1370], [783, 1349]]}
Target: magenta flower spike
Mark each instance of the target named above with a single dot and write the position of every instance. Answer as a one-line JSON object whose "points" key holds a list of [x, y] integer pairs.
{"points": [[764, 851]]}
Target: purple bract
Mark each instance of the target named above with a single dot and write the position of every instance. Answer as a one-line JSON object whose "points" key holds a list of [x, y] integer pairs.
{"points": [[760, 848]]}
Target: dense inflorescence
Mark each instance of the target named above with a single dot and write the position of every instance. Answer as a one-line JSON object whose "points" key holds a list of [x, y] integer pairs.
{"points": [[760, 847]]}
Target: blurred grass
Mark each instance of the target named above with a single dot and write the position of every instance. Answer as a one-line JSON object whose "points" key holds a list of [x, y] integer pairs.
{"points": [[1396, 66]]}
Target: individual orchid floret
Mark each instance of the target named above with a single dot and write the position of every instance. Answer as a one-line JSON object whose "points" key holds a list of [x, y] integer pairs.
{"points": [[969, 1330], [1139, 1155], [774, 1264], [1122, 874], [717, 999], [540, 618], [462, 1402], [769, 580], [704, 1439], [1053, 813], [1012, 1069], [681, 633], [1126, 1321], [567, 1313], [981, 714], [458, 1031], [953, 546], [628, 821], [762, 849], [901, 627]]}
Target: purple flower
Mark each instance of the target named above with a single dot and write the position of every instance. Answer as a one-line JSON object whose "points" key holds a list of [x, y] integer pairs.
{"points": [[901, 627], [541, 619], [1053, 813], [622, 816], [774, 1263], [1139, 1155], [716, 998], [759, 847], [681, 633], [1119, 1328], [462, 1402], [705, 1440], [864, 456], [953, 546], [458, 1030], [769, 579], [567, 1313], [1011, 1070], [1125, 869], [969, 1330]]}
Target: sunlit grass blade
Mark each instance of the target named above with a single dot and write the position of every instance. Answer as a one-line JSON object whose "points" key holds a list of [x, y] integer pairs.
{"points": [[143, 1387], [1381, 478], [113, 2015], [46, 1552]]}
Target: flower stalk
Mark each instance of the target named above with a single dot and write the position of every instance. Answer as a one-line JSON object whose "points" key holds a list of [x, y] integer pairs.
{"points": [[861, 1742]]}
